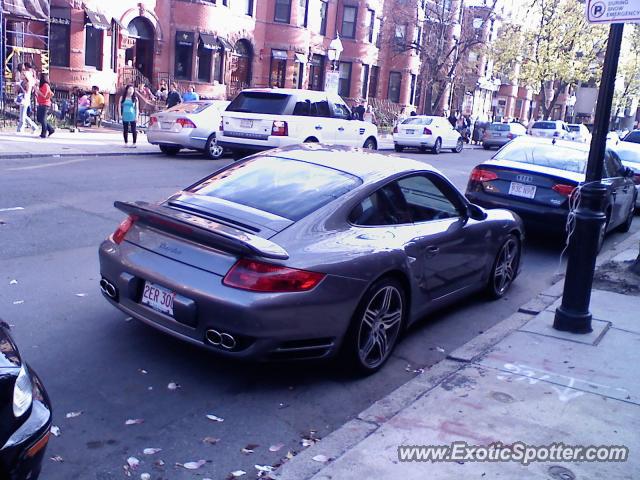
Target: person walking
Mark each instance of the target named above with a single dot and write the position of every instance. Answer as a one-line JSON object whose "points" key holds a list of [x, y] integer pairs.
{"points": [[44, 94], [173, 98], [129, 114], [23, 101], [369, 115]]}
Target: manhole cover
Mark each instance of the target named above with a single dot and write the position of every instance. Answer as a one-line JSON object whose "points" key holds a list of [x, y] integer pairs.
{"points": [[502, 397], [560, 473]]}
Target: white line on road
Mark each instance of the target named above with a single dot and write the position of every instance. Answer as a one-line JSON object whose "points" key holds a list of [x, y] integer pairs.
{"points": [[11, 209], [45, 165]]}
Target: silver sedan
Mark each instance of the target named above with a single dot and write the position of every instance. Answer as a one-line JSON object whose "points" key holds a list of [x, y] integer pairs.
{"points": [[306, 252], [189, 125]]}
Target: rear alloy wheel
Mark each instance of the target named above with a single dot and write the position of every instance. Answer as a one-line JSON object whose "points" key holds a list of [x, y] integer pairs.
{"points": [[459, 146], [437, 146], [376, 326], [398, 148], [626, 226], [212, 150], [169, 150], [371, 144], [505, 267]]}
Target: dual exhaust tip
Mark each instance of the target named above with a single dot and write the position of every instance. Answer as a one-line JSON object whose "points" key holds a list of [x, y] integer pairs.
{"points": [[108, 288], [221, 339]]}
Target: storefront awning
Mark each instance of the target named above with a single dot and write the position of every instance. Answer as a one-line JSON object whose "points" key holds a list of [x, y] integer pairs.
{"points": [[301, 58], [279, 54], [210, 42], [61, 15], [30, 9], [226, 43], [97, 19], [185, 39]]}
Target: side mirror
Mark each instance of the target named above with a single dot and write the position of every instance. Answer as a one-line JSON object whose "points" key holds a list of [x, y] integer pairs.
{"points": [[475, 212]]}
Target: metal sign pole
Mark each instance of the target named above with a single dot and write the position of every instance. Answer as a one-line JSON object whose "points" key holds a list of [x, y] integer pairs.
{"points": [[573, 315]]}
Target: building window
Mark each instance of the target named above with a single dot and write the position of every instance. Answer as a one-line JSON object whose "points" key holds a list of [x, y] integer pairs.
{"points": [[60, 37], [365, 81], [218, 63], [207, 44], [393, 93], [417, 36], [278, 71], [184, 54], [247, 7], [282, 11], [371, 15], [344, 79], [399, 36], [93, 47], [316, 72], [379, 36], [324, 7], [303, 12], [373, 81], [412, 95], [349, 16], [418, 95]]}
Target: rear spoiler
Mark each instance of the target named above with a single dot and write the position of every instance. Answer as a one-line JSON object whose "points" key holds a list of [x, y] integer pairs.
{"points": [[201, 229]]}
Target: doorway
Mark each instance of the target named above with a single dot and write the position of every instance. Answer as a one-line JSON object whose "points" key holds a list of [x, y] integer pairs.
{"points": [[141, 53]]}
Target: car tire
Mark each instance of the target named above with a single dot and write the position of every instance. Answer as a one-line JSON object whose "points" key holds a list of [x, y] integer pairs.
{"points": [[459, 146], [437, 146], [603, 232], [168, 150], [369, 341], [398, 148], [370, 143], [626, 226], [212, 150], [505, 267]]}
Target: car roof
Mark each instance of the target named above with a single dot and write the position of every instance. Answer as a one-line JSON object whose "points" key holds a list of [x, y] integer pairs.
{"points": [[365, 164], [533, 141], [287, 91]]}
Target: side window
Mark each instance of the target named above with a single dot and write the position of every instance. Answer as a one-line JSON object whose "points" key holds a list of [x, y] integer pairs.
{"points": [[426, 200], [341, 111], [320, 109], [384, 207], [302, 108], [612, 165]]}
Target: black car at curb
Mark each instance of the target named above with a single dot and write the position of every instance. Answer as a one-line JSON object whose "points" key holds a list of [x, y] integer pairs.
{"points": [[25, 414]]}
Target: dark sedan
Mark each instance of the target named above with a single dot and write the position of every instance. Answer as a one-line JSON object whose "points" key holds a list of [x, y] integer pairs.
{"points": [[306, 251], [25, 414], [536, 178]]}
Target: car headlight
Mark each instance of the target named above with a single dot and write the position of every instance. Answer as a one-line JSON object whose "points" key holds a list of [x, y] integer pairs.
{"points": [[22, 392]]}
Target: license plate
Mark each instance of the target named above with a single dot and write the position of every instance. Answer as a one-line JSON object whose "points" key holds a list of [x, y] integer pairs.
{"points": [[158, 298], [410, 132], [522, 190], [166, 125], [246, 123]]}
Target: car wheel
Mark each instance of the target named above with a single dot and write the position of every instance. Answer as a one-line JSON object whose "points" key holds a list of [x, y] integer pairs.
{"points": [[505, 267], [376, 326], [437, 146], [371, 144], [212, 150], [626, 226], [459, 146], [168, 150], [398, 148]]}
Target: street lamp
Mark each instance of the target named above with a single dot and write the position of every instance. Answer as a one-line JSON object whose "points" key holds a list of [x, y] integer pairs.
{"points": [[334, 51]]}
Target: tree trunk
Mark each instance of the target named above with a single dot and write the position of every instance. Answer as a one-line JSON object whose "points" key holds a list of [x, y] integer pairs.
{"points": [[428, 99]]}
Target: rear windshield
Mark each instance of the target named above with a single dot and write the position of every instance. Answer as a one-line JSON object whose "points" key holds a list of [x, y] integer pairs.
{"points": [[190, 107], [417, 121], [545, 125], [499, 127], [551, 156], [259, 102], [283, 187]]}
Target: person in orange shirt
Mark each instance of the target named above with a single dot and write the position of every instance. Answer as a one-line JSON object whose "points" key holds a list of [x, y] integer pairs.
{"points": [[44, 94]]}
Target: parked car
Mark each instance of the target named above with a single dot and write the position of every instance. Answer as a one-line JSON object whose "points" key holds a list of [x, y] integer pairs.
{"points": [[25, 414], [536, 177], [499, 134], [261, 119], [629, 153], [427, 133], [189, 125], [632, 137], [305, 252], [579, 133], [550, 129]]}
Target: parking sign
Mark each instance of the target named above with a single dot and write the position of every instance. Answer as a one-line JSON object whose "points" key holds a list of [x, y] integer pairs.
{"points": [[613, 11]]}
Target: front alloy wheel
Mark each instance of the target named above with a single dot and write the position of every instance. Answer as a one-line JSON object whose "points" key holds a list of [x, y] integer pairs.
{"points": [[505, 267], [437, 146], [212, 150], [459, 146], [377, 325]]}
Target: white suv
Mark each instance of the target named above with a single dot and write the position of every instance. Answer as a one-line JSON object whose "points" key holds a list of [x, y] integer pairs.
{"points": [[260, 119], [550, 129]]}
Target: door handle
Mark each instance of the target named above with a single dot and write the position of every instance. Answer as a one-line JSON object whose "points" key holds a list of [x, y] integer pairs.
{"points": [[341, 129], [432, 251], [318, 127]]}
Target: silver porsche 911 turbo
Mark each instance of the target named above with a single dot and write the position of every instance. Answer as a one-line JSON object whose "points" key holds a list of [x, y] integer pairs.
{"points": [[306, 252]]}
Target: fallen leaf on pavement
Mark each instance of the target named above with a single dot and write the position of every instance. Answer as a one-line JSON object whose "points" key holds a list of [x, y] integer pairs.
{"points": [[18, 302], [440, 349], [159, 463], [173, 386], [307, 442], [263, 468], [320, 458], [13, 282], [214, 418], [133, 462], [57, 458], [142, 371], [81, 294], [74, 414], [210, 440], [192, 465], [238, 473], [249, 448], [55, 431], [145, 476], [134, 421], [276, 447], [151, 451], [409, 369], [289, 455]]}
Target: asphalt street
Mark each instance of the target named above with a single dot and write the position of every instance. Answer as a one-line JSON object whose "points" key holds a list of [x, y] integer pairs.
{"points": [[53, 215]]}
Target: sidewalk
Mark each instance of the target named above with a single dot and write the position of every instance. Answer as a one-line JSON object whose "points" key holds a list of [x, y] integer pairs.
{"points": [[520, 381], [87, 141]]}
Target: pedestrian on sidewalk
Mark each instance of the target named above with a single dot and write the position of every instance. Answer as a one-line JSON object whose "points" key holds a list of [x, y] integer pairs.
{"points": [[173, 98], [44, 94], [23, 101], [190, 95], [129, 114]]}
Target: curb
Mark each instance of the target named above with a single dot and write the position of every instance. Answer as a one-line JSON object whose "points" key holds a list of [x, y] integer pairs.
{"points": [[17, 156], [337, 443]]}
